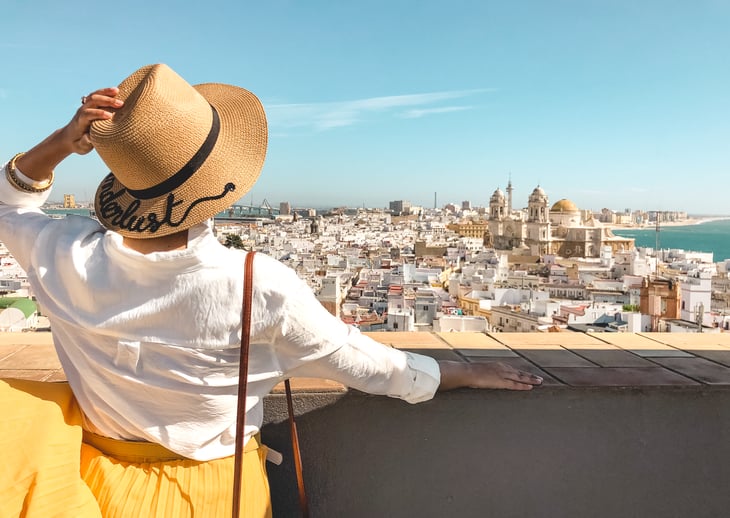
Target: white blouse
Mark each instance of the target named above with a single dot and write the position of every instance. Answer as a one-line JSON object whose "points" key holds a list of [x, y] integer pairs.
{"points": [[150, 343]]}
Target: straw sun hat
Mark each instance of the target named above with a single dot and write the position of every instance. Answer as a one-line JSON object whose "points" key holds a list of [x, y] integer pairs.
{"points": [[178, 154]]}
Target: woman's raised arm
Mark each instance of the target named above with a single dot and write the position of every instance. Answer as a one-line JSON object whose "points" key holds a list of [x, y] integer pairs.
{"points": [[38, 163]]}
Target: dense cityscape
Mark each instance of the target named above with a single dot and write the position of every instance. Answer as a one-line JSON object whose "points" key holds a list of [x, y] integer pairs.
{"points": [[547, 267], [463, 268]]}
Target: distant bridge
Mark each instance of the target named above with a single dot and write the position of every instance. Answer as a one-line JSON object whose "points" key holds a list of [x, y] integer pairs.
{"points": [[244, 211], [253, 211], [248, 211]]}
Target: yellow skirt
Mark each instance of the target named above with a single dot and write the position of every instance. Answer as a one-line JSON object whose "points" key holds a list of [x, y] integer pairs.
{"points": [[47, 471]]}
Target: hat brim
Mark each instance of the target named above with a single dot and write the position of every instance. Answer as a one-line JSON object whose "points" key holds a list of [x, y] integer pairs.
{"points": [[228, 173]]}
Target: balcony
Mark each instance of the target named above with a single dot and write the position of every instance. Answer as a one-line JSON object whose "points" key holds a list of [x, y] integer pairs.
{"points": [[626, 425]]}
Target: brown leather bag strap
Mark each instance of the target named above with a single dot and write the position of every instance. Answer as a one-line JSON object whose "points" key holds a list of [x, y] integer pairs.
{"points": [[241, 411], [242, 380], [303, 503]]}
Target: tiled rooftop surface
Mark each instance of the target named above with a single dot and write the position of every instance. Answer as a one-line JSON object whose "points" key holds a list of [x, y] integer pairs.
{"points": [[564, 359]]}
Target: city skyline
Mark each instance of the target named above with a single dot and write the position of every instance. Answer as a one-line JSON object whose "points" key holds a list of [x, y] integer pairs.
{"points": [[619, 105], [248, 200]]}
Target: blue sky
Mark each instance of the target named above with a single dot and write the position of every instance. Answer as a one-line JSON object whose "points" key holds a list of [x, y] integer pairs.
{"points": [[619, 104]]}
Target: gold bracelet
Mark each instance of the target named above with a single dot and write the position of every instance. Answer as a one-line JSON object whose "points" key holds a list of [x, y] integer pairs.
{"points": [[18, 183]]}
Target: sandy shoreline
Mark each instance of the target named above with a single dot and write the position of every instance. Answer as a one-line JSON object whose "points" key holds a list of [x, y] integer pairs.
{"points": [[684, 223]]}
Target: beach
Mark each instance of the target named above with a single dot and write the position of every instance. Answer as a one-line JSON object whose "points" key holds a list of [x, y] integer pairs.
{"points": [[680, 223]]}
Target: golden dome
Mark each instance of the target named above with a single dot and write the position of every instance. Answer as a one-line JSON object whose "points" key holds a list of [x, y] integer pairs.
{"points": [[564, 205]]}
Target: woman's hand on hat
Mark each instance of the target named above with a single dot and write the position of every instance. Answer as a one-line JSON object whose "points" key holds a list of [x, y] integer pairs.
{"points": [[485, 375], [38, 162], [76, 132]]}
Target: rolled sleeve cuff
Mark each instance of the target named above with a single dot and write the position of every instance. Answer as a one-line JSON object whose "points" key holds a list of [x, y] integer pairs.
{"points": [[426, 377], [9, 195]]}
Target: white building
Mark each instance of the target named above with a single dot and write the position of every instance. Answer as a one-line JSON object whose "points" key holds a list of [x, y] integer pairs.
{"points": [[696, 297]]}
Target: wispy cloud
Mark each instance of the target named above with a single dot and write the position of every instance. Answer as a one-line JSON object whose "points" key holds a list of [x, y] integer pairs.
{"points": [[416, 113], [328, 115]]}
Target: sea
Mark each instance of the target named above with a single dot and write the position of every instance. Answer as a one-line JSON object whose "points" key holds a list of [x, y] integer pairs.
{"points": [[710, 236]]}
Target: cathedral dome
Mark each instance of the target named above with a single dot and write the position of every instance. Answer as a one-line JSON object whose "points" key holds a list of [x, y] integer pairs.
{"points": [[564, 206], [498, 194], [538, 195]]}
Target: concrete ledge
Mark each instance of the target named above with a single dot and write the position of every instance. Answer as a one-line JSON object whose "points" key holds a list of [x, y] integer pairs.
{"points": [[571, 359]]}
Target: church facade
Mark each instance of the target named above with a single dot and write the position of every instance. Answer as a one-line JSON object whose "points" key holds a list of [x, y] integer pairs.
{"points": [[560, 229]]}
